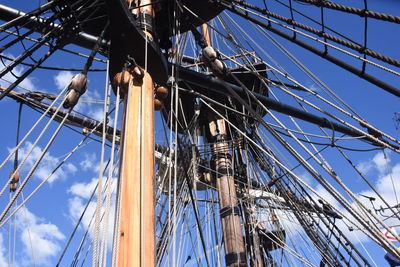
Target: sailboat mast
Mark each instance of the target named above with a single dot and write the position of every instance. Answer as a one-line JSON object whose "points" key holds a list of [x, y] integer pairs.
{"points": [[235, 254], [136, 234], [136, 229]]}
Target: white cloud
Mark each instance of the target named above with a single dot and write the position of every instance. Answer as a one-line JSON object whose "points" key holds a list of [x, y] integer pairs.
{"points": [[39, 238], [87, 108], [62, 79], [27, 83], [325, 195], [354, 236], [97, 114], [47, 164], [83, 190], [76, 204], [293, 227], [90, 162], [386, 182], [365, 166], [380, 162], [3, 260], [314, 87], [307, 178], [387, 185]]}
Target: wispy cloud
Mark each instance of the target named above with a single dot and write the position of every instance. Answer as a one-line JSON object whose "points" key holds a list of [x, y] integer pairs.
{"points": [[90, 162], [380, 162], [83, 190], [386, 181], [80, 195], [387, 185], [384, 177], [62, 79], [76, 205], [314, 87], [47, 164], [97, 114], [40, 239], [27, 83], [3, 260]]}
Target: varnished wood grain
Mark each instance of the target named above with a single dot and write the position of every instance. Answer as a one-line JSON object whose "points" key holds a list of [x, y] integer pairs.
{"points": [[137, 169]]}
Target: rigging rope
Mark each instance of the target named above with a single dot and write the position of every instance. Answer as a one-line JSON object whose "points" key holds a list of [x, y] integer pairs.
{"points": [[36, 141], [96, 240], [352, 10], [244, 13], [316, 51], [271, 156], [352, 45], [312, 171], [35, 165], [79, 145], [109, 183]]}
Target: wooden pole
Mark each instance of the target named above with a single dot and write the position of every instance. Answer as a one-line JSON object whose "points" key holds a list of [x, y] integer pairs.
{"points": [[235, 254], [206, 33], [137, 228], [137, 234]]}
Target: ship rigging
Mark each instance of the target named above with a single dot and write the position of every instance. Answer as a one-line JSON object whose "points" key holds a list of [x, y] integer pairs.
{"points": [[215, 144]]}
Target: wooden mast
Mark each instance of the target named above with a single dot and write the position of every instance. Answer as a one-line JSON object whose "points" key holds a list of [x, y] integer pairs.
{"points": [[137, 230], [235, 254]]}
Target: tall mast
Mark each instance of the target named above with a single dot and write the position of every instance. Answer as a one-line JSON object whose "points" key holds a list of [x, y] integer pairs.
{"points": [[136, 224], [235, 254]]}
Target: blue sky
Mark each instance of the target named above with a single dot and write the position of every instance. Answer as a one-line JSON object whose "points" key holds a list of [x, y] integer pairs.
{"points": [[46, 222]]}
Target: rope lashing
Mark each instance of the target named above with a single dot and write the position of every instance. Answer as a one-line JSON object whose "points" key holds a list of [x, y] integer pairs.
{"points": [[131, 70]]}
